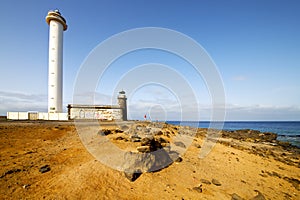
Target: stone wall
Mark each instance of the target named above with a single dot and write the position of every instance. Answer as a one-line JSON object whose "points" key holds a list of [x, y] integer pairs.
{"points": [[108, 114]]}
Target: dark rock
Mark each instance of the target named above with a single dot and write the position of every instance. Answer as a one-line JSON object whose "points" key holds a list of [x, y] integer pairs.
{"points": [[250, 135], [161, 140], [155, 145], [104, 132], [205, 181], [146, 162], [26, 186], [198, 189], [29, 152], [135, 138], [11, 171], [180, 144], [284, 144], [234, 196], [216, 182], [119, 131], [146, 141], [259, 196], [120, 138], [197, 146], [162, 160], [45, 168], [179, 159], [132, 176], [167, 134], [159, 133]]}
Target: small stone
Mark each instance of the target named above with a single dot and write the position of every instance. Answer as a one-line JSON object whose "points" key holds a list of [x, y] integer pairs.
{"points": [[45, 168], [197, 146], [216, 182], [235, 196], [120, 138], [119, 131], [159, 133], [198, 189], [205, 181], [25, 186], [133, 176], [135, 138], [104, 132], [161, 140], [179, 159], [259, 196]]}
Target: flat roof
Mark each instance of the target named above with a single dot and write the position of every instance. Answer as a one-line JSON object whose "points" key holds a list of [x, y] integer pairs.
{"points": [[93, 106]]}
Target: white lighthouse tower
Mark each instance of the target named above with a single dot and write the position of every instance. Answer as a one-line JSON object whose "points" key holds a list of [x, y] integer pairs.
{"points": [[57, 24]]}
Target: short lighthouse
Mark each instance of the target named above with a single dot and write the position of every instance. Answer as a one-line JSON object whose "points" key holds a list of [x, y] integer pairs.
{"points": [[123, 104], [57, 24]]}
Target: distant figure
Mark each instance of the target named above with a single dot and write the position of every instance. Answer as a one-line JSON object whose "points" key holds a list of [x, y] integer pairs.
{"points": [[145, 117]]}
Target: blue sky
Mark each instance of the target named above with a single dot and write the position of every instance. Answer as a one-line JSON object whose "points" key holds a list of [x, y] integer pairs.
{"points": [[254, 44]]}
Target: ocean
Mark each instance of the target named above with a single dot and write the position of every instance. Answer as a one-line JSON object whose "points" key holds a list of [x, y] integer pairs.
{"points": [[288, 131]]}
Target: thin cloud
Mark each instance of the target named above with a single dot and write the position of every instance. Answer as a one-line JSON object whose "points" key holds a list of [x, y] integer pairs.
{"points": [[18, 101], [172, 109]]}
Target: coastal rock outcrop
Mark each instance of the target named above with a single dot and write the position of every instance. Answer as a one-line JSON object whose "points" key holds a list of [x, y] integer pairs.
{"points": [[250, 135]]}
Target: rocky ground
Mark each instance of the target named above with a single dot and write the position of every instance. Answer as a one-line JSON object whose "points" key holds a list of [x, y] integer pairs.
{"points": [[49, 160]]}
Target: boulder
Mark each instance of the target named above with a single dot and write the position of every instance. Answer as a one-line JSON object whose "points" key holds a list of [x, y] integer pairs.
{"points": [[146, 162]]}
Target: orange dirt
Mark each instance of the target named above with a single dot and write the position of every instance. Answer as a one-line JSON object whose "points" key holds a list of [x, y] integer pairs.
{"points": [[75, 174]]}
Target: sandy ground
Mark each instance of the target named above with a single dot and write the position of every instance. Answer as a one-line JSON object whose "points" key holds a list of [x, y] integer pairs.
{"points": [[75, 174]]}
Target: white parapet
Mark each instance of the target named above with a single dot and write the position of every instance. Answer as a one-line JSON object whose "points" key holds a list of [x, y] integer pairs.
{"points": [[17, 115], [39, 116]]}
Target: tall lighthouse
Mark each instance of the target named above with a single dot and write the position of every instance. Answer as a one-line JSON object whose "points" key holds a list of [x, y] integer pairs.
{"points": [[57, 24]]}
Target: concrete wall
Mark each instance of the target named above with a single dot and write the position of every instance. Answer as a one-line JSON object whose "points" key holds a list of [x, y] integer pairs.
{"points": [[17, 115], [39, 116]]}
